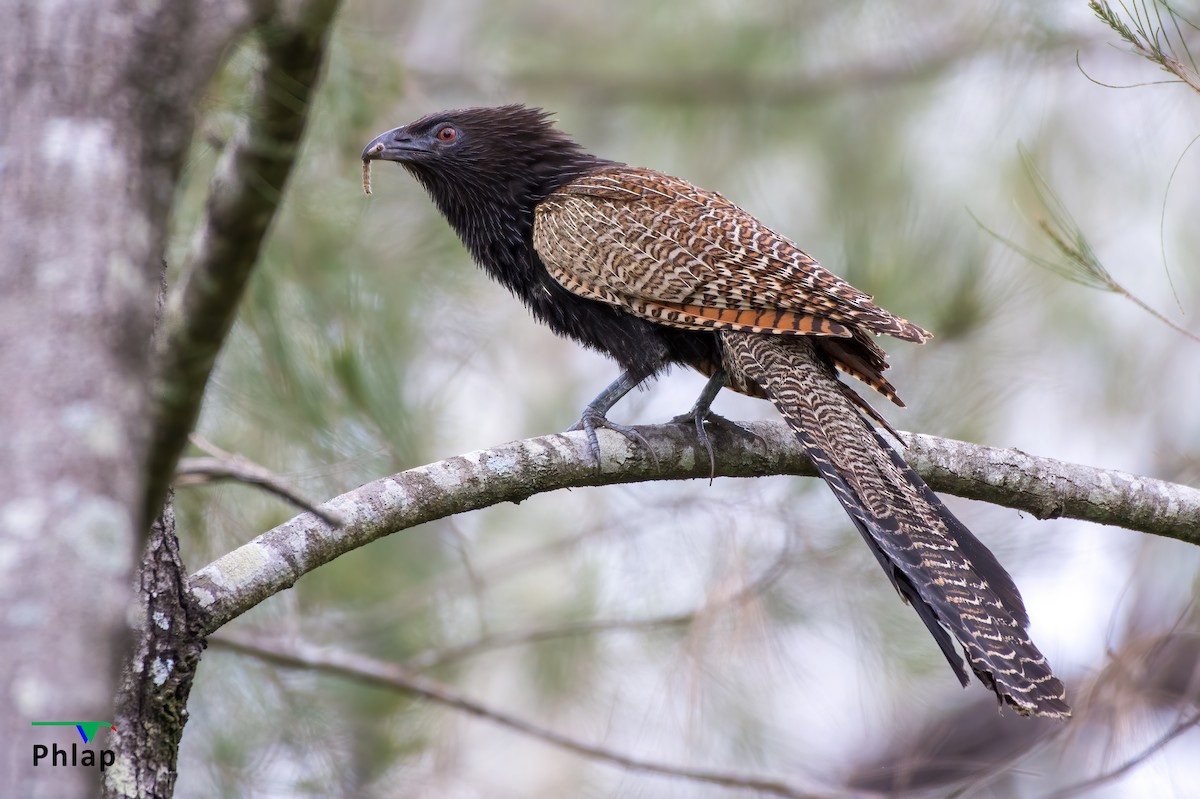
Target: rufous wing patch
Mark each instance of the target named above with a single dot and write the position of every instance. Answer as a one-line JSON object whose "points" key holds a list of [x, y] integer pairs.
{"points": [[753, 320]]}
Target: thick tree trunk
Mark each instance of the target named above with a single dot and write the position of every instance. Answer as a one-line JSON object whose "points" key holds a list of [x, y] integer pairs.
{"points": [[97, 104]]}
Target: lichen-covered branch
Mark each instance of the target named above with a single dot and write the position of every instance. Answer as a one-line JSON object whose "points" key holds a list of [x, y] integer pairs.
{"points": [[512, 472], [1051, 489]]}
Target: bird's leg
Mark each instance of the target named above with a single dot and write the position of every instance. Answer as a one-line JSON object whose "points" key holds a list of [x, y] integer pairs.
{"points": [[701, 412], [595, 415]]}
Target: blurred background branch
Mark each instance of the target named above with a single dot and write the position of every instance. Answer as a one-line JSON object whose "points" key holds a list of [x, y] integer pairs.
{"points": [[297, 655]]}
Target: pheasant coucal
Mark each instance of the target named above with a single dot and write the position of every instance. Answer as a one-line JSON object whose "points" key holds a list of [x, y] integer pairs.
{"points": [[654, 271]]}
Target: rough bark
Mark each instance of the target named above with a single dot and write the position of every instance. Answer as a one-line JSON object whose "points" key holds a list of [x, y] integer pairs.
{"points": [[152, 700], [97, 102]]}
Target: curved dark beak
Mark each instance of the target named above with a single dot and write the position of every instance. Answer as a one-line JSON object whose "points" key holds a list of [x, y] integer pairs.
{"points": [[395, 145]]}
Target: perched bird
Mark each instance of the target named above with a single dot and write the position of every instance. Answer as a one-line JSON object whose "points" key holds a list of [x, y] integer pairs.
{"points": [[654, 271]]}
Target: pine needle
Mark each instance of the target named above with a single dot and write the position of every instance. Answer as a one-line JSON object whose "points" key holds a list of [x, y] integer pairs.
{"points": [[1148, 35], [1076, 260]]}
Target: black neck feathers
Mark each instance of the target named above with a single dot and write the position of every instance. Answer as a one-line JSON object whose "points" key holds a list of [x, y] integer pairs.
{"points": [[502, 162]]}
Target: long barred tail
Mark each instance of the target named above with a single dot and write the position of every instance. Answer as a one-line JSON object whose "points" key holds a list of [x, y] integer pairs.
{"points": [[950, 578]]}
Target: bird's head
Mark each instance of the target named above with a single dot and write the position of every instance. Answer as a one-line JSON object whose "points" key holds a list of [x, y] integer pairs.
{"points": [[509, 150]]}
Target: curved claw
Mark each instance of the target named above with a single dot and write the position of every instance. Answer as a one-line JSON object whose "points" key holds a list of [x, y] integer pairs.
{"points": [[594, 418], [696, 417], [699, 417]]}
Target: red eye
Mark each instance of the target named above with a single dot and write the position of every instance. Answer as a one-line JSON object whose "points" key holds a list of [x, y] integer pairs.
{"points": [[447, 134]]}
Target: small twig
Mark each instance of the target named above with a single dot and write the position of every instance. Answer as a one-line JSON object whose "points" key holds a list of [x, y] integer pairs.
{"points": [[474, 581], [202, 443], [1180, 727], [226, 466]]}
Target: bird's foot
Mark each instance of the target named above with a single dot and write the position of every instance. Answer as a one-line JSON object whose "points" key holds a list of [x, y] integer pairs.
{"points": [[699, 417], [594, 419]]}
